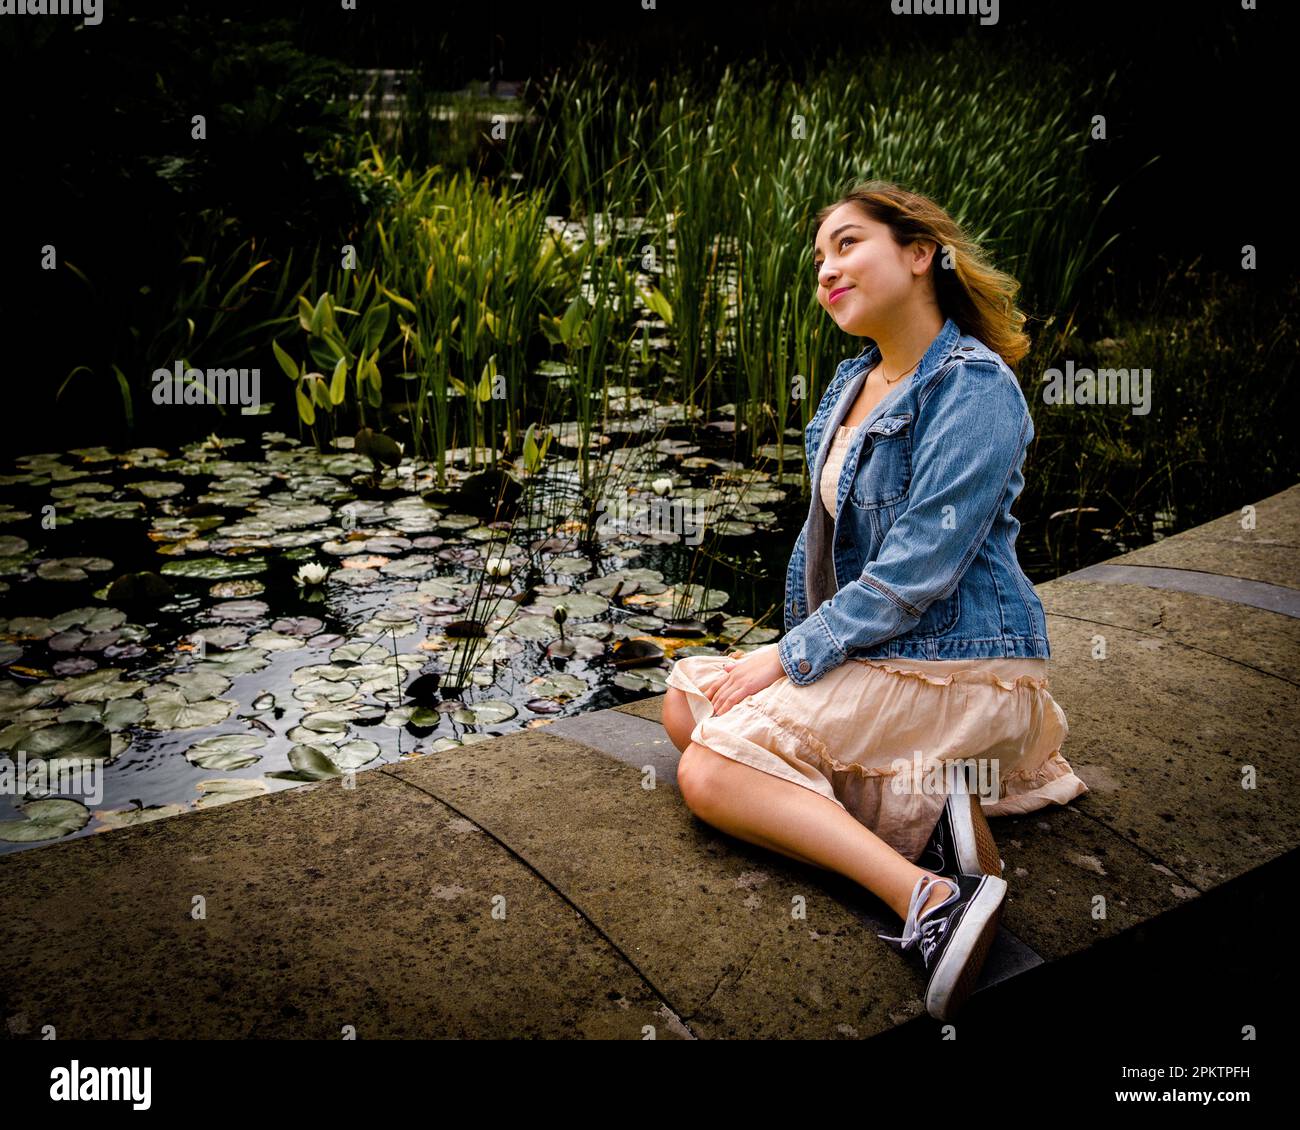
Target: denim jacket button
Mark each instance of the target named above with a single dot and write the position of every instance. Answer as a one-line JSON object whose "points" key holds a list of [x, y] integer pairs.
{"points": [[804, 666]]}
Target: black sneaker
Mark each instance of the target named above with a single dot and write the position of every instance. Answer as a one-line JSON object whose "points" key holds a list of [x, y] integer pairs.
{"points": [[954, 937], [962, 841]]}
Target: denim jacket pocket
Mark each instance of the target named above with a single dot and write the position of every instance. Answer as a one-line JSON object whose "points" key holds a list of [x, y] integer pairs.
{"points": [[885, 472]]}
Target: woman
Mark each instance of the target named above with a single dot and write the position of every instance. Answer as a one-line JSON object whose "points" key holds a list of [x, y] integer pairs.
{"points": [[915, 644]]}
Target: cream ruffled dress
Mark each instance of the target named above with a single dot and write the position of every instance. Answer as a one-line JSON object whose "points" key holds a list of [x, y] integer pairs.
{"points": [[872, 735]]}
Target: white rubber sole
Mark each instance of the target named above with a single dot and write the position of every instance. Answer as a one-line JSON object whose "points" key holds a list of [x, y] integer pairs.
{"points": [[953, 980]]}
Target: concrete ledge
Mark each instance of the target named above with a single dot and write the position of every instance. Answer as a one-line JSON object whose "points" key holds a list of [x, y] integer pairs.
{"points": [[536, 885]]}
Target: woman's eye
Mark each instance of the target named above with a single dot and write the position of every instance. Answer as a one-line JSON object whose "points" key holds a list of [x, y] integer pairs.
{"points": [[817, 263]]}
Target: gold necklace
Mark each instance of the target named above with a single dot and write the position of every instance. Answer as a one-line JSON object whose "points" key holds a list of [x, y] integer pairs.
{"points": [[901, 375]]}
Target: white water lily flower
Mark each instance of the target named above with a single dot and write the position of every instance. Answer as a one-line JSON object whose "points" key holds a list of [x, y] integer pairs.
{"points": [[662, 486], [311, 574], [498, 567]]}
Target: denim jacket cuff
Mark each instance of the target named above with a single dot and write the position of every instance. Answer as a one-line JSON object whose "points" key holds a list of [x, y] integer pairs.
{"points": [[808, 651]]}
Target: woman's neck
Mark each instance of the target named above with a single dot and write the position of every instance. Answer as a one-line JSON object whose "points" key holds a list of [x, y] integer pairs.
{"points": [[904, 343]]}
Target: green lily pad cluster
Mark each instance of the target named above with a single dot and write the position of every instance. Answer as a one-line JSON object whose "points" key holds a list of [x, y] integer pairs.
{"points": [[411, 587]]}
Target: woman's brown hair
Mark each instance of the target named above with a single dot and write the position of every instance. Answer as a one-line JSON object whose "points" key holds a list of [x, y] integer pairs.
{"points": [[973, 293]]}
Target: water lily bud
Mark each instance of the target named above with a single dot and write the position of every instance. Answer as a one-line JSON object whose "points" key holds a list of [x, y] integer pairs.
{"points": [[662, 486], [560, 614], [498, 567]]}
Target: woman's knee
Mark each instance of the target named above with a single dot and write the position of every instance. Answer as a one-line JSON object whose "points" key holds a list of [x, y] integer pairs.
{"points": [[678, 721], [697, 776]]}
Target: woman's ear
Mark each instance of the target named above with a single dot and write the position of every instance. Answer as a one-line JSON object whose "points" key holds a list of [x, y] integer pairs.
{"points": [[928, 248]]}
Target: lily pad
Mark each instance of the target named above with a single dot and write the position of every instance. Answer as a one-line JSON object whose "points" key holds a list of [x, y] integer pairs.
{"points": [[360, 651], [115, 715], [222, 790], [323, 690], [72, 568], [411, 568], [328, 721], [99, 686], [196, 685], [650, 679], [649, 581], [47, 819], [176, 712], [578, 605], [275, 641], [69, 739], [354, 754], [310, 763], [234, 663], [240, 610], [226, 751], [223, 638], [226, 590], [130, 817], [558, 685], [216, 568], [156, 488], [298, 626], [487, 713], [31, 627], [526, 626], [91, 619]]}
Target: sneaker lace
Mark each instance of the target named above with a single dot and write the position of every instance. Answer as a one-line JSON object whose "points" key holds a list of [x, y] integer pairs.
{"points": [[929, 932]]}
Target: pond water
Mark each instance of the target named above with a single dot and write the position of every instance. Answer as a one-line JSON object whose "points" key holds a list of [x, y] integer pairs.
{"points": [[164, 649]]}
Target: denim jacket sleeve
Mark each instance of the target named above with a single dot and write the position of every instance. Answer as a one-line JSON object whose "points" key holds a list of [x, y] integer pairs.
{"points": [[968, 440]]}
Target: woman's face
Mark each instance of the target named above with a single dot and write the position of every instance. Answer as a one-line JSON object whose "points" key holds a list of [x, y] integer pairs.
{"points": [[864, 279]]}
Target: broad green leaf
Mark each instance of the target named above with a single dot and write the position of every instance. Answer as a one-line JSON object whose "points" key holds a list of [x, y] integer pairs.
{"points": [[338, 383], [404, 303], [322, 318], [286, 362], [305, 410], [657, 302], [373, 326]]}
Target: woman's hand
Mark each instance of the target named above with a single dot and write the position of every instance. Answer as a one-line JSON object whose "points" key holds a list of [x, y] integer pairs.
{"points": [[744, 678]]}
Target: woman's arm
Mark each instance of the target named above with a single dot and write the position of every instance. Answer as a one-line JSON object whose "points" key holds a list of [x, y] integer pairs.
{"points": [[969, 438]]}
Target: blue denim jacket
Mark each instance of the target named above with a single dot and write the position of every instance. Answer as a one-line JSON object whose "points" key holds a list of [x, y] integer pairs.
{"points": [[920, 561]]}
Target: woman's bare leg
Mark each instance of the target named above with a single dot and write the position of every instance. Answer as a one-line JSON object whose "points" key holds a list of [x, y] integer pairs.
{"points": [[782, 816], [677, 718]]}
